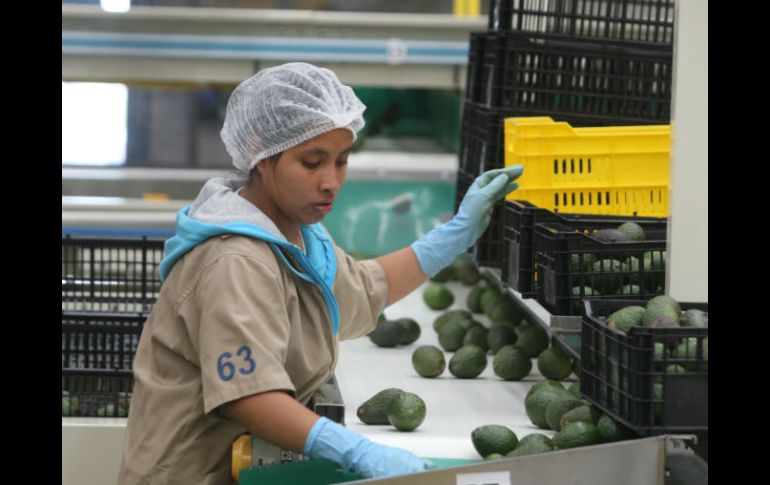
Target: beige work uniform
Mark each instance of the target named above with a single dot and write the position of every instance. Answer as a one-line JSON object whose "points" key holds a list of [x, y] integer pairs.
{"points": [[232, 321]]}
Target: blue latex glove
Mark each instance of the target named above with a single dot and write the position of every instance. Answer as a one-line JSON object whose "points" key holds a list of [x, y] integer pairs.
{"points": [[437, 249], [354, 452]]}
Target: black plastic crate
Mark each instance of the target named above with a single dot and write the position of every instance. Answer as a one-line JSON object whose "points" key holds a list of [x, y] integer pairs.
{"points": [[577, 81], [464, 181], [631, 376], [110, 274], [476, 43], [488, 250], [96, 393], [482, 139], [638, 21], [106, 341], [518, 263], [568, 260]]}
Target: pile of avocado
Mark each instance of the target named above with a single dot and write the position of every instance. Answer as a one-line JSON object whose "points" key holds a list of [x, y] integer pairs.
{"points": [[71, 406], [659, 312], [510, 339], [670, 353], [577, 423], [617, 274], [550, 406], [404, 410]]}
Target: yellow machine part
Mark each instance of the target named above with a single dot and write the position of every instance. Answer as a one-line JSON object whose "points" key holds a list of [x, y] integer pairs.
{"points": [[241, 455]]}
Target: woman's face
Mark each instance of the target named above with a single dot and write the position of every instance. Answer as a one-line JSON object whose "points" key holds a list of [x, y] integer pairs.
{"points": [[304, 182]]}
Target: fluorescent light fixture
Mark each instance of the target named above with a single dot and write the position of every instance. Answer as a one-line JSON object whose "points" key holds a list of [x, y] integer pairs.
{"points": [[94, 124], [117, 6]]}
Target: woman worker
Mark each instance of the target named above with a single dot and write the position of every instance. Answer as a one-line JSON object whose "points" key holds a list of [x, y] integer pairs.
{"points": [[256, 296]]}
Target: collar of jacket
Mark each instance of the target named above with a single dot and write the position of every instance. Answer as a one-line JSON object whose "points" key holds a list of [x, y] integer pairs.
{"points": [[317, 264]]}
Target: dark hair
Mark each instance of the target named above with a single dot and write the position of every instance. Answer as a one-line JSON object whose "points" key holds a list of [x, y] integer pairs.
{"points": [[272, 160]]}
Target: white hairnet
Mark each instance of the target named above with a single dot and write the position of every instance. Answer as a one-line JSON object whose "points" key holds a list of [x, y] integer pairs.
{"points": [[283, 106]]}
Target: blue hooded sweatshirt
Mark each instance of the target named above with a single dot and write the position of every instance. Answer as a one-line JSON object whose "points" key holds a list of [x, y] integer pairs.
{"points": [[219, 209]]}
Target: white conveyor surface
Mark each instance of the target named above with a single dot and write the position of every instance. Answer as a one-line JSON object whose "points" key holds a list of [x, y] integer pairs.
{"points": [[454, 406]]}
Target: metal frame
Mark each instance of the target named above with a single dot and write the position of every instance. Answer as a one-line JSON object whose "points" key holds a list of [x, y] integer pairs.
{"points": [[227, 45]]}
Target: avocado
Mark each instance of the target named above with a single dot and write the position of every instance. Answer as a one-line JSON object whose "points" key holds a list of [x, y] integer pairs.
{"points": [[411, 331], [663, 322], [626, 317], [537, 403], [630, 268], [554, 364], [577, 434], [665, 300], [468, 362], [654, 264], [695, 318], [457, 314], [581, 262], [633, 231], [406, 411], [607, 276], [438, 296], [477, 335], [507, 311], [493, 438], [558, 408], [108, 411], [468, 324], [70, 405], [493, 456], [657, 311], [388, 333], [375, 409], [500, 335], [531, 444], [688, 350], [531, 340], [451, 336], [610, 430], [628, 290], [489, 298], [381, 318], [428, 361], [587, 413], [545, 382], [654, 260], [473, 302], [445, 275], [467, 272], [574, 389], [511, 364], [610, 236]]}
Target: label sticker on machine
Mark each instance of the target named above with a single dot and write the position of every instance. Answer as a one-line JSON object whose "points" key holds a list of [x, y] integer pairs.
{"points": [[487, 478]]}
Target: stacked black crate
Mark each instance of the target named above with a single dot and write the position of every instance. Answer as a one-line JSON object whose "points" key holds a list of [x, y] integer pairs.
{"points": [[109, 286], [588, 63]]}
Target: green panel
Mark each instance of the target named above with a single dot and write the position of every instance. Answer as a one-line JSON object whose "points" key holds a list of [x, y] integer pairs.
{"points": [[412, 112], [365, 221]]}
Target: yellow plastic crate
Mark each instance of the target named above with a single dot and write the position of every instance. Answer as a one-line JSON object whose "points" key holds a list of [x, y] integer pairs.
{"points": [[619, 170]]}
